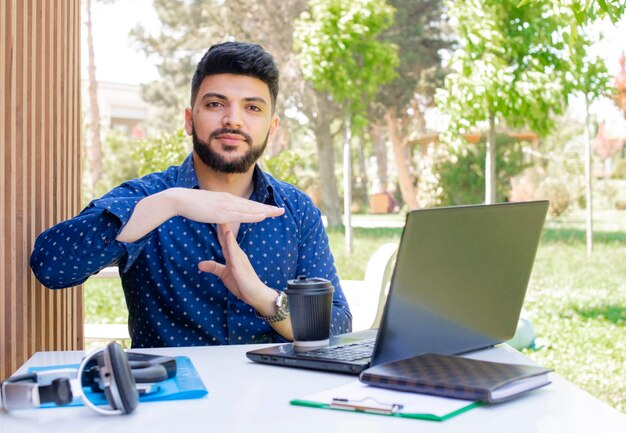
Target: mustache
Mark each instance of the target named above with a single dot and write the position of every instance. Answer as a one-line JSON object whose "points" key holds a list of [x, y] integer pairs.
{"points": [[222, 131]]}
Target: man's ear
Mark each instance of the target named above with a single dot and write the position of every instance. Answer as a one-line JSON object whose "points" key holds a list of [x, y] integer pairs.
{"points": [[273, 128], [188, 121]]}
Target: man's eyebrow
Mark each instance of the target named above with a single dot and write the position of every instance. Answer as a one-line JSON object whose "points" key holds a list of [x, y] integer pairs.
{"points": [[225, 98], [255, 99], [214, 95]]}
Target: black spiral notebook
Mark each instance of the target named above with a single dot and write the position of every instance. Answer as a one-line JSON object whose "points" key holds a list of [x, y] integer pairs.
{"points": [[457, 377]]}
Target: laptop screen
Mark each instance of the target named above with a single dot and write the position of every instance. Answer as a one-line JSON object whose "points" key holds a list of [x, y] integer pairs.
{"points": [[460, 279]]}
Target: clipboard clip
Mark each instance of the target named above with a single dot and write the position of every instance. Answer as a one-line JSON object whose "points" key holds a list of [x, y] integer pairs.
{"points": [[367, 404]]}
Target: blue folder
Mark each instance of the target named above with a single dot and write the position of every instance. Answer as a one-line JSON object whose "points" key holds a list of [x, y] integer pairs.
{"points": [[187, 384]]}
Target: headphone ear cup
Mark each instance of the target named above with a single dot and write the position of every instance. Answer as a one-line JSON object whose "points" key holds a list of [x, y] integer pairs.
{"points": [[58, 392], [122, 379]]}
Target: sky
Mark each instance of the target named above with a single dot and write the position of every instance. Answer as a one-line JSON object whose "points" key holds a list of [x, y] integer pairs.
{"points": [[117, 60]]}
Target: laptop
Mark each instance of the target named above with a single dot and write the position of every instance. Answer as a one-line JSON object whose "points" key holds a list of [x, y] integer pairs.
{"points": [[458, 285]]}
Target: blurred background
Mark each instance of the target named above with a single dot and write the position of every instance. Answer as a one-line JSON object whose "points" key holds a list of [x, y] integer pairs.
{"points": [[388, 106]]}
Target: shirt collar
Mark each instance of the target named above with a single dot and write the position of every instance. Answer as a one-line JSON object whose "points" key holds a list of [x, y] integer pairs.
{"points": [[262, 192], [187, 177]]}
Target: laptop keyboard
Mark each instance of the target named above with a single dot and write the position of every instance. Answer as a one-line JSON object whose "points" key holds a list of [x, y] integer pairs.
{"points": [[344, 352]]}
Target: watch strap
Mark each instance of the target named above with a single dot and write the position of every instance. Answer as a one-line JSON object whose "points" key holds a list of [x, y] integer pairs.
{"points": [[282, 311]]}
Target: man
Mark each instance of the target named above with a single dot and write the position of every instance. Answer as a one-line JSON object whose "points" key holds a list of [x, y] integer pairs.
{"points": [[204, 249]]}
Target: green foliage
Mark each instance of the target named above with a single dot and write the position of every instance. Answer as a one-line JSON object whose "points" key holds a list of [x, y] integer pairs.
{"points": [[420, 33], [619, 169], [290, 166], [515, 62], [189, 27], [104, 301], [577, 306], [556, 191], [586, 75], [340, 51], [516, 68], [366, 242], [511, 64], [176, 48], [591, 10], [461, 173], [158, 153], [587, 11], [117, 164]]}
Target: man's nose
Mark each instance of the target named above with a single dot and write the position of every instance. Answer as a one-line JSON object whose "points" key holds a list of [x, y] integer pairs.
{"points": [[232, 118]]}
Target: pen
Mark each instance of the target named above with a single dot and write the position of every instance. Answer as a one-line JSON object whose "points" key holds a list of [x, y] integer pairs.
{"points": [[367, 404]]}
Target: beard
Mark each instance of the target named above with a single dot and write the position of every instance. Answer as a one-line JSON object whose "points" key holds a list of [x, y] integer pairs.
{"points": [[217, 162]]}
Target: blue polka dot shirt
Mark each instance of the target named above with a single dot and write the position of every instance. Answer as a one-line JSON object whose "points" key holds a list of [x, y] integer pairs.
{"points": [[170, 302]]}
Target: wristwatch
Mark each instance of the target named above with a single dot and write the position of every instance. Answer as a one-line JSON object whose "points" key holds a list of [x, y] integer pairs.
{"points": [[282, 308]]}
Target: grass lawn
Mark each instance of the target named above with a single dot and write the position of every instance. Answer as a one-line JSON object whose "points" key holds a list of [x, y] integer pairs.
{"points": [[578, 307], [577, 304]]}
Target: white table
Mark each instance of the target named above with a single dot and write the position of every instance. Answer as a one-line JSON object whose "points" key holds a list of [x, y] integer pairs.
{"points": [[248, 397]]}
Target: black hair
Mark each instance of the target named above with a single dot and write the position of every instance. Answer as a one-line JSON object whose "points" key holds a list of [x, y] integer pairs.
{"points": [[240, 58]]}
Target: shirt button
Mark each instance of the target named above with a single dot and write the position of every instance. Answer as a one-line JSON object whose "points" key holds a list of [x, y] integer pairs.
{"points": [[106, 241], [232, 307]]}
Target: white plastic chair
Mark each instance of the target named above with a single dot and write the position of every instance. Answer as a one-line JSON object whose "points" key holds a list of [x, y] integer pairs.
{"points": [[367, 298]]}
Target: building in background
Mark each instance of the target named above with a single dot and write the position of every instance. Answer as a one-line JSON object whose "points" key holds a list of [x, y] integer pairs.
{"points": [[121, 108]]}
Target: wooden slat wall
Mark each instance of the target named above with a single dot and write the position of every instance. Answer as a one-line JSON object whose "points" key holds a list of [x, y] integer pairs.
{"points": [[39, 170]]}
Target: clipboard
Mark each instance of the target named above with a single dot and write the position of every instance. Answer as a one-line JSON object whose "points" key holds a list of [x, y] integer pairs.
{"points": [[358, 397]]}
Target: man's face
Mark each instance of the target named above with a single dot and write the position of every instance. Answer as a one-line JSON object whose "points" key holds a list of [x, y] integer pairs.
{"points": [[231, 122]]}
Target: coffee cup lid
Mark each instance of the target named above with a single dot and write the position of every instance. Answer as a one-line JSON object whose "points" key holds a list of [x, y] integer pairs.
{"points": [[309, 283]]}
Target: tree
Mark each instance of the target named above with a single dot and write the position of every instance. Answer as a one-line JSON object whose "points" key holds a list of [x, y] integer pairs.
{"points": [[587, 76], [508, 72], [583, 12], [590, 78], [592, 10], [95, 146], [190, 27], [321, 112], [157, 153], [587, 11], [340, 53], [460, 172], [420, 33]]}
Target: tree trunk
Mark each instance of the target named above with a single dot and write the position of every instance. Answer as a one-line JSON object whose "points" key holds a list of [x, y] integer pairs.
{"points": [[95, 148], [405, 179], [588, 195], [363, 182], [380, 149], [347, 183], [326, 163], [490, 162]]}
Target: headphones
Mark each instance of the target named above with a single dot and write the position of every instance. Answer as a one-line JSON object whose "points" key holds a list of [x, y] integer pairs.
{"points": [[106, 369]]}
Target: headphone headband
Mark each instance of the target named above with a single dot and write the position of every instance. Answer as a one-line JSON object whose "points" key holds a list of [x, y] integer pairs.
{"points": [[113, 373]]}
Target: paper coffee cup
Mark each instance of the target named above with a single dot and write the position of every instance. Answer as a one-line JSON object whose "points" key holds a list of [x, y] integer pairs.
{"points": [[310, 310]]}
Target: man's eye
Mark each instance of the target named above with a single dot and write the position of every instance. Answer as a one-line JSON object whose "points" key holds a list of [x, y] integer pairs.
{"points": [[254, 108], [213, 104]]}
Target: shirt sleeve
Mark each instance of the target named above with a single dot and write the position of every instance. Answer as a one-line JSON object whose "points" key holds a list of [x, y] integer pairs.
{"points": [[316, 260], [68, 253]]}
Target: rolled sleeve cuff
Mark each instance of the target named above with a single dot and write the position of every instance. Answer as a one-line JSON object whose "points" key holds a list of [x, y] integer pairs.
{"points": [[121, 210], [118, 207]]}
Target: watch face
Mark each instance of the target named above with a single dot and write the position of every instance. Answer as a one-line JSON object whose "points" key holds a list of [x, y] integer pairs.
{"points": [[281, 302]]}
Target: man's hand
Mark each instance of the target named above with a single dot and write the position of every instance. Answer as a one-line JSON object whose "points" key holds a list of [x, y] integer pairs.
{"points": [[241, 279], [220, 207], [237, 273], [196, 205]]}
